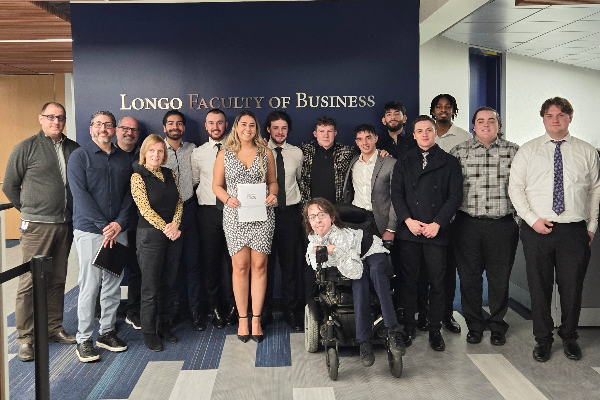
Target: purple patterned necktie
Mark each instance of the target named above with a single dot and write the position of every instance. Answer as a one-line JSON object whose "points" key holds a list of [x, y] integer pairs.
{"points": [[558, 202]]}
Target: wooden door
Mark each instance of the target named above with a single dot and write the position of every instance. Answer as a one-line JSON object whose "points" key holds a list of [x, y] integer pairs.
{"points": [[22, 98]]}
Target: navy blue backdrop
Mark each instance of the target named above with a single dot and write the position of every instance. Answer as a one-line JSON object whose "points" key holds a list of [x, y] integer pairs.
{"points": [[246, 50]]}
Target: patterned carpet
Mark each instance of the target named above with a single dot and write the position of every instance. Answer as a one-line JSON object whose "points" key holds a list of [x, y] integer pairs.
{"points": [[116, 374]]}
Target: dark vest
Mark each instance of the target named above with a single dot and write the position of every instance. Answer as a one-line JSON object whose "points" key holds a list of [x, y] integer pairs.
{"points": [[163, 196]]}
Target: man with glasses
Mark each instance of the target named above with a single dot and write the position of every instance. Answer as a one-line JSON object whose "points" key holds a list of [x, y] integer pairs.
{"points": [[128, 132], [180, 161], [99, 174], [36, 183]]}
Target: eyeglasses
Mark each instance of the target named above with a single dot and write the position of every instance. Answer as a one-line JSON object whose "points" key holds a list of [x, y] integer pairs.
{"points": [[60, 118], [98, 124], [321, 215], [127, 129]]}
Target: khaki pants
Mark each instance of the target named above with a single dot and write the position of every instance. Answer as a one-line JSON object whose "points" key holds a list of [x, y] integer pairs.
{"points": [[52, 240]]}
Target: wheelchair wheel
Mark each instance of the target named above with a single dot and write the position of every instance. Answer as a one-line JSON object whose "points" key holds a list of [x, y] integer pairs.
{"points": [[311, 332], [395, 365], [333, 363]]}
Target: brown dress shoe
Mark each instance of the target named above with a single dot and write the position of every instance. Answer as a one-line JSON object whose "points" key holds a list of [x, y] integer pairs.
{"points": [[62, 337], [25, 352]]}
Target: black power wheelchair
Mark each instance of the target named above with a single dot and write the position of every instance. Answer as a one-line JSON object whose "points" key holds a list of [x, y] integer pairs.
{"points": [[330, 320]]}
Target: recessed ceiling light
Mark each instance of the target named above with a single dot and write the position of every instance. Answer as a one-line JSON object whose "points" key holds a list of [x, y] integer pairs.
{"points": [[61, 60], [36, 41]]}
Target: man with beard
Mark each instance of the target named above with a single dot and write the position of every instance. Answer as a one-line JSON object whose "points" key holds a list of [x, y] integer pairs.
{"points": [[98, 174], [128, 132], [179, 159], [210, 219], [443, 110], [396, 141], [288, 221]]}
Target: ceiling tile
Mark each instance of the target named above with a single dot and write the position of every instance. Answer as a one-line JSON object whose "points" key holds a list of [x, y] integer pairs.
{"points": [[477, 27], [536, 26], [561, 13], [499, 15]]}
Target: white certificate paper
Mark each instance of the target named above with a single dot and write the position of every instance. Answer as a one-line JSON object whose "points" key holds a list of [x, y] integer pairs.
{"points": [[252, 198]]}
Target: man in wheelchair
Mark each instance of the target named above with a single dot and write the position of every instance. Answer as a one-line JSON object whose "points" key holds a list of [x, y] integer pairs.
{"points": [[325, 228]]}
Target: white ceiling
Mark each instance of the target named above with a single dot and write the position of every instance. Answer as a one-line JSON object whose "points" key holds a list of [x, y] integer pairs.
{"points": [[565, 34]]}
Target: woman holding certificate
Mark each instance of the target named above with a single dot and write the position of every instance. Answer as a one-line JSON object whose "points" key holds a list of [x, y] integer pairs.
{"points": [[244, 180], [155, 191]]}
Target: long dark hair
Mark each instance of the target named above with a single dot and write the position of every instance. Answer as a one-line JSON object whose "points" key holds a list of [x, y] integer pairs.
{"points": [[324, 205]]}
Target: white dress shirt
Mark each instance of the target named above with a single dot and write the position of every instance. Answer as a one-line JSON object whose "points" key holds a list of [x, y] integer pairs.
{"points": [[203, 163], [454, 136], [292, 163], [531, 182], [362, 174]]}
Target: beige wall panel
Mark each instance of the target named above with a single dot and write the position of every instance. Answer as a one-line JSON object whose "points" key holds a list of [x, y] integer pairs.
{"points": [[22, 97]]}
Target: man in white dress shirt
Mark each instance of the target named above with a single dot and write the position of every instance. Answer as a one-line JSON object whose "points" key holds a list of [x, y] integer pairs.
{"points": [[210, 223], [444, 109], [287, 238], [555, 188]]}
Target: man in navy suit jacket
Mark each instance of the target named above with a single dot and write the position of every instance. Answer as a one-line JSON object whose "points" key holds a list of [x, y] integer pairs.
{"points": [[427, 191]]}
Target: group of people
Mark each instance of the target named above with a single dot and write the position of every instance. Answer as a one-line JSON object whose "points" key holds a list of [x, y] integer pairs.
{"points": [[440, 200]]}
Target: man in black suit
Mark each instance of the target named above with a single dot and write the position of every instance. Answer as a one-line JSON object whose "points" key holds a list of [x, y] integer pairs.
{"points": [[427, 190]]}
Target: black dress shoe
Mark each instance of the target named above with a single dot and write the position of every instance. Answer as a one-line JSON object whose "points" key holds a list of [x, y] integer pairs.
{"points": [[217, 320], [541, 351], [62, 337], [408, 335], [498, 338], [436, 341], [244, 338], [165, 332], [152, 342], [25, 352], [232, 316], [422, 322], [199, 321], [293, 319], [572, 349], [451, 325], [474, 337]]}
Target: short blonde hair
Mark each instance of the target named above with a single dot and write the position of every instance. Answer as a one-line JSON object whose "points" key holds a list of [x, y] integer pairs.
{"points": [[149, 142]]}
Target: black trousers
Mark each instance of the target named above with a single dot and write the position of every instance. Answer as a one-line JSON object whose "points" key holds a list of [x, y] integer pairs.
{"points": [[216, 274], [566, 249], [434, 257], [158, 257], [189, 273], [134, 276], [484, 244], [287, 240], [449, 282], [396, 282]]}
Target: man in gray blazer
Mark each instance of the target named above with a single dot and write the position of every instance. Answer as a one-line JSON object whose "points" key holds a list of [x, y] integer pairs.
{"points": [[368, 182]]}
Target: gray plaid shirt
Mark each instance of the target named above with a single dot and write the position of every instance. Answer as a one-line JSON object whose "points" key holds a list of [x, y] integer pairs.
{"points": [[485, 177]]}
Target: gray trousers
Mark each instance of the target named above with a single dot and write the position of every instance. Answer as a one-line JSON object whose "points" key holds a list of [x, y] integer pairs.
{"points": [[90, 280]]}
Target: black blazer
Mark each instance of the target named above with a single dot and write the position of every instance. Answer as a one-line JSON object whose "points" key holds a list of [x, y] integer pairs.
{"points": [[433, 194]]}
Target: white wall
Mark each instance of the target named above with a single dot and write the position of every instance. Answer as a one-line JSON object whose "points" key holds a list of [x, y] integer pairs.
{"points": [[70, 106], [444, 68], [529, 82]]}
